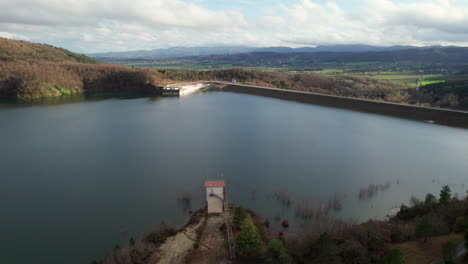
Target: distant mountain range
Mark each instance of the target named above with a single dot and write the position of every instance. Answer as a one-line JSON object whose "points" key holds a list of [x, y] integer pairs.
{"points": [[229, 50], [433, 55], [174, 52]]}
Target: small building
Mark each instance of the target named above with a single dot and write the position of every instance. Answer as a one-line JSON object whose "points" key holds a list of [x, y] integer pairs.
{"points": [[215, 194]]}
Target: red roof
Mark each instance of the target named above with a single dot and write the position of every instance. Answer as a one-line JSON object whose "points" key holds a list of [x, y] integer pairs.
{"points": [[214, 183]]}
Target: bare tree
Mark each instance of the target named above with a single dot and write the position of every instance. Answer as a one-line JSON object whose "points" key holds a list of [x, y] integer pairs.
{"points": [[283, 196], [184, 198]]}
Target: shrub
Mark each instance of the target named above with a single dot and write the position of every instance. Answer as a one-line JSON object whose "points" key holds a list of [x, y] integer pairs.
{"points": [[430, 199], [373, 235], [448, 252], [401, 231], [461, 224], [248, 242], [240, 214], [159, 235], [466, 238], [354, 252], [327, 250], [394, 256], [277, 253], [424, 228]]}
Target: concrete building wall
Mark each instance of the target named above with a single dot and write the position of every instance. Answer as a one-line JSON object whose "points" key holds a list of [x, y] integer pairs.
{"points": [[215, 205]]}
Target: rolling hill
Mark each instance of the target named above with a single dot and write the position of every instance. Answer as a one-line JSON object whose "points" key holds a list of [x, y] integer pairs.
{"points": [[177, 52], [11, 50], [32, 70], [446, 55]]}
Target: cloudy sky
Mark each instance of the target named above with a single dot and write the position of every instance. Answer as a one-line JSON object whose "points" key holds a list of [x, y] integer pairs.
{"points": [[119, 25]]}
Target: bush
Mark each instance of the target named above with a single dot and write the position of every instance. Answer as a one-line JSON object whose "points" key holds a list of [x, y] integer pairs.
{"points": [[430, 199], [327, 250], [461, 224], [401, 231], [373, 235], [159, 235], [354, 252], [448, 252], [240, 214], [248, 242], [394, 256], [277, 253], [466, 238], [424, 228]]}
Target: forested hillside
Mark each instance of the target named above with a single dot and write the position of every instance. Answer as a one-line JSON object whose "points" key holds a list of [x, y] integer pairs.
{"points": [[30, 70], [434, 55], [22, 50]]}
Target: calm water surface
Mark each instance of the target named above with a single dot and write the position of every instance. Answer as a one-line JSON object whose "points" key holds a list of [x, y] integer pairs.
{"points": [[77, 178]]}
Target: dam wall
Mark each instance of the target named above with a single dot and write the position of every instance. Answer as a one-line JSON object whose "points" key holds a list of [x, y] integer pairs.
{"points": [[432, 115]]}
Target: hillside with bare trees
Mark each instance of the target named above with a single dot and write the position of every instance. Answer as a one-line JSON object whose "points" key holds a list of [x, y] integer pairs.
{"points": [[31, 70]]}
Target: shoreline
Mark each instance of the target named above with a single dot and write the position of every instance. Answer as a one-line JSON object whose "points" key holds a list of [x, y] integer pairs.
{"points": [[430, 115]]}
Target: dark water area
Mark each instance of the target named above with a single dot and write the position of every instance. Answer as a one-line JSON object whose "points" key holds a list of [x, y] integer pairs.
{"points": [[81, 174]]}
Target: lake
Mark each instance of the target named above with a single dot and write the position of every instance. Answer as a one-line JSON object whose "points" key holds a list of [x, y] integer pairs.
{"points": [[82, 174]]}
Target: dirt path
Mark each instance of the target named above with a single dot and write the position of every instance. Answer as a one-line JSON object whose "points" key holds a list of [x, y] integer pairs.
{"points": [[177, 247], [212, 237]]}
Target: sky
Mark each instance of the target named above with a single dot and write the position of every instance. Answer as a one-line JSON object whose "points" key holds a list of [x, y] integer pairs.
{"points": [[88, 26]]}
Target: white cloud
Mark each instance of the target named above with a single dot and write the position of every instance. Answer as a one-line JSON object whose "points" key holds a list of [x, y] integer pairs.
{"points": [[109, 25], [380, 22], [10, 35]]}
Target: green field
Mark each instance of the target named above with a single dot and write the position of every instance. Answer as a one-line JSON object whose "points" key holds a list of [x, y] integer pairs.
{"points": [[409, 78], [434, 79]]}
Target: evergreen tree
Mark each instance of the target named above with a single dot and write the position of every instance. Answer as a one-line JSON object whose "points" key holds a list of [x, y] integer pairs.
{"points": [[277, 253], [424, 229], [239, 216], [445, 194], [248, 242], [430, 199]]}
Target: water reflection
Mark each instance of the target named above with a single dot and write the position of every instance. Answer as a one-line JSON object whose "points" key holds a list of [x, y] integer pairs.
{"points": [[74, 98]]}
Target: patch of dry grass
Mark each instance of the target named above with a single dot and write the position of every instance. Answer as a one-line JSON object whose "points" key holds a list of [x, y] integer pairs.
{"points": [[417, 252]]}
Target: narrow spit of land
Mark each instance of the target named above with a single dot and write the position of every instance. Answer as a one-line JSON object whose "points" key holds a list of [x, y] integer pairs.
{"points": [[201, 242]]}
